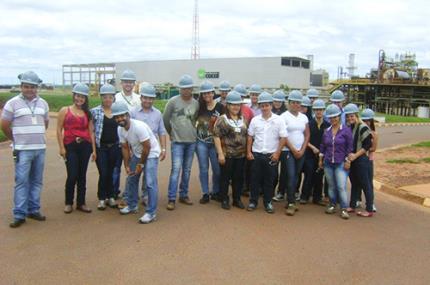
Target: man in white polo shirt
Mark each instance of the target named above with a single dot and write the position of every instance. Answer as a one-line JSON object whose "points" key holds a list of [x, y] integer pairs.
{"points": [[131, 99], [145, 151], [128, 81], [267, 135], [24, 121]]}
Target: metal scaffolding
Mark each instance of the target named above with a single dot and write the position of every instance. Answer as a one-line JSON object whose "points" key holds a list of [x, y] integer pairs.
{"points": [[93, 74]]}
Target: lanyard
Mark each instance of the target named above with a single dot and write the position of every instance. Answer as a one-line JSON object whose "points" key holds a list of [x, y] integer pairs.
{"points": [[28, 105], [125, 98]]}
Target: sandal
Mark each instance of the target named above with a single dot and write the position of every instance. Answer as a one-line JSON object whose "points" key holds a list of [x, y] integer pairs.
{"points": [[364, 214], [350, 210]]}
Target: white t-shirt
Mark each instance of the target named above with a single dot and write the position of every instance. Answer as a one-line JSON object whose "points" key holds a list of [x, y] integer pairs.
{"points": [[136, 134], [131, 101], [296, 126], [267, 133]]}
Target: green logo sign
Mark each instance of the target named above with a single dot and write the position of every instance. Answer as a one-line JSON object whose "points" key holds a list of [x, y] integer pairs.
{"points": [[201, 73]]}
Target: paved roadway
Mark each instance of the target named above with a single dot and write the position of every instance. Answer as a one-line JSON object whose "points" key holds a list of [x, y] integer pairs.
{"points": [[205, 244]]}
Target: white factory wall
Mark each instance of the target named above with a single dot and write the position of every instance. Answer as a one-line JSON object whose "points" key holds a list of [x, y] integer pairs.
{"points": [[266, 71]]}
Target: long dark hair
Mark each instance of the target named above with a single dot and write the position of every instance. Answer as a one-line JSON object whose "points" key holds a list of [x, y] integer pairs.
{"points": [[202, 105], [85, 107], [227, 111], [372, 125], [280, 110]]}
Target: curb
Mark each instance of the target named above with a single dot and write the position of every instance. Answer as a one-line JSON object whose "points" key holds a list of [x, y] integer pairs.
{"points": [[385, 125], [401, 193]]}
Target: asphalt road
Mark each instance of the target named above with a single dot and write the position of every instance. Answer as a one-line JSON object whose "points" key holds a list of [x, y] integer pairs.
{"points": [[205, 244]]}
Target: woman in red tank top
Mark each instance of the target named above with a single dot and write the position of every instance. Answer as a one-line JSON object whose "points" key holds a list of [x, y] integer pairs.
{"points": [[76, 141]]}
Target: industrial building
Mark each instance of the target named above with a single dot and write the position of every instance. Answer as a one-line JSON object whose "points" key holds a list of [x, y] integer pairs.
{"points": [[269, 72]]}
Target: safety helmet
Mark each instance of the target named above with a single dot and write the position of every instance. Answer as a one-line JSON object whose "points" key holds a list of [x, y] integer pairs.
{"points": [[29, 77], [81, 88], [147, 90]]}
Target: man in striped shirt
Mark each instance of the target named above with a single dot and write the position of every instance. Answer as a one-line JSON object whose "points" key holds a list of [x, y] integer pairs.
{"points": [[24, 121]]}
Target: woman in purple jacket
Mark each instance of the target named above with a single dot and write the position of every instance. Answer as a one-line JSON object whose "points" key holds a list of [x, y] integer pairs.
{"points": [[334, 149]]}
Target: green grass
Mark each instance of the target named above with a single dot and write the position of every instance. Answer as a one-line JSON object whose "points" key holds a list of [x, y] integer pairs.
{"points": [[422, 144], [59, 98], [402, 119], [2, 136], [409, 160], [403, 160]]}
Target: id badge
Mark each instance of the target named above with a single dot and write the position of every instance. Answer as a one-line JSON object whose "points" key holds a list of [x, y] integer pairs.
{"points": [[34, 120], [237, 130]]}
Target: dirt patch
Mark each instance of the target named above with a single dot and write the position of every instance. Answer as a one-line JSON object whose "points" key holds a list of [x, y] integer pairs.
{"points": [[403, 166]]}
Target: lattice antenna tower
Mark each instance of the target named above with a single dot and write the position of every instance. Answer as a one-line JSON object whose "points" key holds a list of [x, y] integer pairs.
{"points": [[195, 49]]}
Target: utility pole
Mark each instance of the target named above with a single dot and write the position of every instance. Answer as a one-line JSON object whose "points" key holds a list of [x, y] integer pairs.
{"points": [[195, 49]]}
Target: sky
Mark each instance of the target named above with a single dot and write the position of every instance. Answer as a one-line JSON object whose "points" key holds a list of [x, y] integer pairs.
{"points": [[42, 35]]}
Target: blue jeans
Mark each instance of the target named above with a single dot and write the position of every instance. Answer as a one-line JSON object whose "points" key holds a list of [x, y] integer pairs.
{"points": [[116, 175], [150, 171], [294, 168], [151, 184], [28, 182], [336, 176], [182, 158], [206, 152], [106, 160]]}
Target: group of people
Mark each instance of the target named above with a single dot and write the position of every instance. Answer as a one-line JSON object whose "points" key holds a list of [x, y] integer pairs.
{"points": [[255, 148]]}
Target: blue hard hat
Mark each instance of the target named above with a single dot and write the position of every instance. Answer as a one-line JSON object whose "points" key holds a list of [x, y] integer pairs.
{"points": [[279, 96], [241, 89], [255, 88], [318, 104], [351, 109], [128, 75], [81, 88], [206, 86], [312, 93], [107, 89], [119, 108], [29, 77], [367, 114], [147, 90], [306, 102], [186, 81], [332, 111], [337, 96], [295, 95], [224, 86], [265, 97], [233, 97]]}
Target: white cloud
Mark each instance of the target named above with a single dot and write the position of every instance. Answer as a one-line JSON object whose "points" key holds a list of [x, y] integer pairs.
{"points": [[42, 35]]}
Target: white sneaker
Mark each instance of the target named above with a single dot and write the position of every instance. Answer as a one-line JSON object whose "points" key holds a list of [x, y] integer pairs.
{"points": [[147, 218], [278, 197], [127, 210], [102, 205], [112, 203]]}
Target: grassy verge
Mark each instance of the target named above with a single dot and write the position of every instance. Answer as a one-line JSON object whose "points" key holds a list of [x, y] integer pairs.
{"points": [[422, 144], [409, 160], [402, 119], [2, 136], [59, 98]]}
